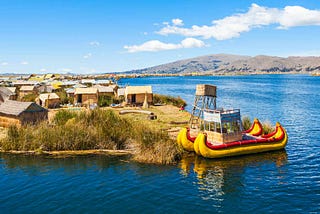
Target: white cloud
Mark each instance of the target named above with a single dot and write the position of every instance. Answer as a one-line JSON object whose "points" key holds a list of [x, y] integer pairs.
{"points": [[24, 63], [95, 43], [156, 45], [4, 63], [191, 43], [87, 56], [43, 70], [65, 70], [257, 16], [298, 16], [177, 22]]}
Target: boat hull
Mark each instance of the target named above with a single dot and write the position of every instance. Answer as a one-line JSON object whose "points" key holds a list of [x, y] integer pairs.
{"points": [[275, 142], [185, 140]]}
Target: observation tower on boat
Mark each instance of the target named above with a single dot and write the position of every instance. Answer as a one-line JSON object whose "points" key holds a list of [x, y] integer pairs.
{"points": [[205, 98]]}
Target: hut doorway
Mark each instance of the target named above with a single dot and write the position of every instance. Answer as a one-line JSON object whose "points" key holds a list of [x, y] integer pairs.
{"points": [[79, 100], [133, 98]]}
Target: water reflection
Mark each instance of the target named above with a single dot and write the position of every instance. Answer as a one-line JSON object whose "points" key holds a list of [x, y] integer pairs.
{"points": [[37, 165], [216, 178]]}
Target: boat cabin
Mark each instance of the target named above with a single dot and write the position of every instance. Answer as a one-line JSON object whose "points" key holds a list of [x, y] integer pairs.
{"points": [[222, 126]]}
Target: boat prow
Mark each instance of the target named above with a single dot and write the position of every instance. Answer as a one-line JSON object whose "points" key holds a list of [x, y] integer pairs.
{"points": [[185, 140], [255, 129]]}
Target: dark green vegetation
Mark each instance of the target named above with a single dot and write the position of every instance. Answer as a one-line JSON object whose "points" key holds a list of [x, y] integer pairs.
{"points": [[64, 99], [29, 98], [97, 129], [108, 100], [266, 125], [246, 122], [166, 99]]}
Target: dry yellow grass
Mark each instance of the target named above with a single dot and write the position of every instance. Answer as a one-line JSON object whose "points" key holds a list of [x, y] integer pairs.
{"points": [[3, 132], [167, 115]]}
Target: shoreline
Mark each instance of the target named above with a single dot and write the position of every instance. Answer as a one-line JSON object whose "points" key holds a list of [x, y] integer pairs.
{"points": [[120, 76], [71, 153]]}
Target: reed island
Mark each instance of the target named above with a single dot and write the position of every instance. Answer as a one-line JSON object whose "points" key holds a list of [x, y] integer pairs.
{"points": [[146, 133]]}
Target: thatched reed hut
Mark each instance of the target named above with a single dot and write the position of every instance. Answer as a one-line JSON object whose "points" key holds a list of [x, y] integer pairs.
{"points": [[21, 113], [135, 95], [7, 94], [86, 96], [49, 100], [105, 90], [26, 90]]}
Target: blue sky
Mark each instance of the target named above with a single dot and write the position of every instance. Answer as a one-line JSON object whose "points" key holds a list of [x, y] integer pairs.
{"points": [[39, 36]]}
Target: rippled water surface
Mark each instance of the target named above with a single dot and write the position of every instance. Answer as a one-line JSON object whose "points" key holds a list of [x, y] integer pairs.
{"points": [[285, 181]]}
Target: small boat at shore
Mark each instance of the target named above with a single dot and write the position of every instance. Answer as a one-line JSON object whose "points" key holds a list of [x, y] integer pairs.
{"points": [[187, 142], [248, 145], [217, 133]]}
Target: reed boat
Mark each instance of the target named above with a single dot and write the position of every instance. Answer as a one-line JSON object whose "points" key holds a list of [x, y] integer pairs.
{"points": [[248, 145], [185, 139], [216, 133]]}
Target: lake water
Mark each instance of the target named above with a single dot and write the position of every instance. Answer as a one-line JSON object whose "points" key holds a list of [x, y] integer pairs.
{"points": [[286, 181]]}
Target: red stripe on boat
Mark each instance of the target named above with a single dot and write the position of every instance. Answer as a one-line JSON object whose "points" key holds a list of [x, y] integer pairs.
{"points": [[245, 142], [192, 139], [270, 134]]}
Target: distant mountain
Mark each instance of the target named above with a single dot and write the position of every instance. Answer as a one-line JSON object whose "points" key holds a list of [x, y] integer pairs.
{"points": [[227, 63]]}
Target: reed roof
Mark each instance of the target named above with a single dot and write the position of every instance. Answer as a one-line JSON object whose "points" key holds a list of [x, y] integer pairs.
{"points": [[104, 89], [6, 92], [27, 88], [139, 89], [15, 108], [86, 91], [48, 96], [12, 89]]}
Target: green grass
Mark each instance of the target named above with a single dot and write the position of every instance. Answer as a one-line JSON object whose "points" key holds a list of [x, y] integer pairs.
{"points": [[29, 98], [267, 127], [246, 122], [165, 99], [64, 99]]}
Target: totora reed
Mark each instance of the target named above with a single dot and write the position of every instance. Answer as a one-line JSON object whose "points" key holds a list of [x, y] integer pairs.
{"points": [[93, 130]]}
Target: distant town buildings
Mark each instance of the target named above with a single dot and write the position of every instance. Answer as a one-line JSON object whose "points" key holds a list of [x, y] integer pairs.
{"points": [[26, 99]]}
